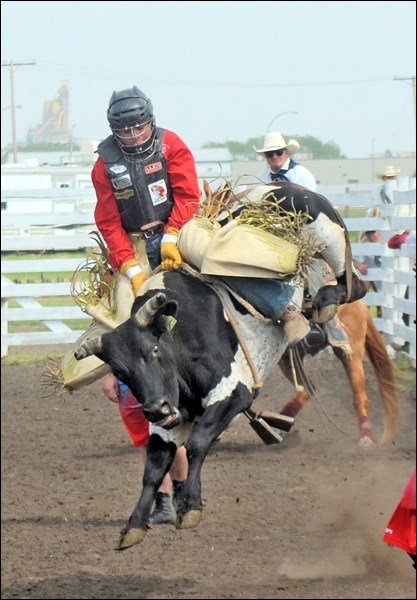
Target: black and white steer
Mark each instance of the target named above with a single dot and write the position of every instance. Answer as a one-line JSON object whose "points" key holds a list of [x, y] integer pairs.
{"points": [[192, 379]]}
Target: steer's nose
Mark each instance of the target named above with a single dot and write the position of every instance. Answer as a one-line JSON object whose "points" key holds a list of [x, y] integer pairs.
{"points": [[158, 410]]}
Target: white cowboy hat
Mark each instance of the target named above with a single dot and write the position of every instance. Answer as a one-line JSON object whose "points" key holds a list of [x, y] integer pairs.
{"points": [[389, 171], [275, 141]]}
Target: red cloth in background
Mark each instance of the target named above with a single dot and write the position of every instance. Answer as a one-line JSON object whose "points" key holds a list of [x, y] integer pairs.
{"points": [[396, 241], [401, 528]]}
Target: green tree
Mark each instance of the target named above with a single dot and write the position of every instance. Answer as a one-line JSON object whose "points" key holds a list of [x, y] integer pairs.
{"points": [[309, 145], [49, 147]]}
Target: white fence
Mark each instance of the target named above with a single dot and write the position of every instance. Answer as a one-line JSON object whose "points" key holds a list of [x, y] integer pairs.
{"points": [[69, 219]]}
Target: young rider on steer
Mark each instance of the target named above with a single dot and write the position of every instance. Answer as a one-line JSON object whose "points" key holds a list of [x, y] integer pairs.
{"points": [[147, 188]]}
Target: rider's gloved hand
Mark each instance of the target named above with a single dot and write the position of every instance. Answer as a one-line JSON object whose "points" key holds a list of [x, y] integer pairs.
{"points": [[133, 270], [170, 255]]}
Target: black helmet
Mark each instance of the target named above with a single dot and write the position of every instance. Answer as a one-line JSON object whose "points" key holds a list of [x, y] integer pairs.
{"points": [[129, 108]]}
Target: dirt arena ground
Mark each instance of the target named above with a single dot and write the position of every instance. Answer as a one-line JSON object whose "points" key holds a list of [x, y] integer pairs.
{"points": [[303, 519]]}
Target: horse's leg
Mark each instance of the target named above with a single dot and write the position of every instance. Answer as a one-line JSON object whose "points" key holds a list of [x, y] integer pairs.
{"points": [[356, 375], [294, 406], [356, 326]]}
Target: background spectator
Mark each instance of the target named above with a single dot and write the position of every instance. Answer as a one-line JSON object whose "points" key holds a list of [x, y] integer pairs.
{"points": [[363, 263], [389, 174]]}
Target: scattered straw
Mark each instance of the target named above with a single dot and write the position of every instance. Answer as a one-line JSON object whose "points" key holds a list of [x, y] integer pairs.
{"points": [[217, 204], [52, 378], [91, 281], [266, 215]]}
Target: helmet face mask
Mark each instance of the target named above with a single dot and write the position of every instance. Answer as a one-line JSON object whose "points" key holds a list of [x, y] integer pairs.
{"points": [[130, 113], [134, 138]]}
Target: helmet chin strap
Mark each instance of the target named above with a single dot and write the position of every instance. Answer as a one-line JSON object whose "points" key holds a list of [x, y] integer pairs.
{"points": [[136, 154]]}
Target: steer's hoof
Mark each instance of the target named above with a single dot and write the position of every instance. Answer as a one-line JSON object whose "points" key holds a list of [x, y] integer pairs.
{"points": [[190, 519], [130, 538], [322, 315]]}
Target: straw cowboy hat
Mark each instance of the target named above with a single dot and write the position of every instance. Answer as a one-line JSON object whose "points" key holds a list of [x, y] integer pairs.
{"points": [[275, 141], [389, 171]]}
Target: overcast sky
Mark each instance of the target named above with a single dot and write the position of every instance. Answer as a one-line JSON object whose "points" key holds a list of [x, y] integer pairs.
{"points": [[219, 71]]}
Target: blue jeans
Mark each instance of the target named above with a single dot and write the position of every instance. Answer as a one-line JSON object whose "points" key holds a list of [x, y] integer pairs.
{"points": [[153, 250], [269, 296]]}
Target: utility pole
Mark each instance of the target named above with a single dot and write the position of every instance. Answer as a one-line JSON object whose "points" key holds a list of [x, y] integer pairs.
{"points": [[413, 84], [12, 66]]}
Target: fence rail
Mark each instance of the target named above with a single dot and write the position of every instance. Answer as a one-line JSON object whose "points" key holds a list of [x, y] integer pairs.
{"points": [[63, 229]]}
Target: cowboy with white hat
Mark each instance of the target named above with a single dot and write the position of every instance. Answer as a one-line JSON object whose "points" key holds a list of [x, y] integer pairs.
{"points": [[390, 172], [389, 177], [281, 166]]}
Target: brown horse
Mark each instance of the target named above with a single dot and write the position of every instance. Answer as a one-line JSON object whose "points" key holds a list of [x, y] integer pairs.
{"points": [[364, 339]]}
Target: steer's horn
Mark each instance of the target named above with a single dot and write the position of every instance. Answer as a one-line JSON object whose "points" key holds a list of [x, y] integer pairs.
{"points": [[146, 313], [88, 348]]}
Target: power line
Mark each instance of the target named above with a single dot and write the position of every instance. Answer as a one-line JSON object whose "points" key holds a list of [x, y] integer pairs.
{"points": [[12, 66], [413, 84]]}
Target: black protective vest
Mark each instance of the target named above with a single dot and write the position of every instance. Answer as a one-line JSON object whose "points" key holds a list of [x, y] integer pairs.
{"points": [[141, 187]]}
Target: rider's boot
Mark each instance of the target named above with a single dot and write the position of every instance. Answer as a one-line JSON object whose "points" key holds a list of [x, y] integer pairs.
{"points": [[164, 511], [296, 326]]}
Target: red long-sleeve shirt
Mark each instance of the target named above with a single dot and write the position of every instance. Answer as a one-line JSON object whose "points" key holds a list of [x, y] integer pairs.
{"points": [[185, 192]]}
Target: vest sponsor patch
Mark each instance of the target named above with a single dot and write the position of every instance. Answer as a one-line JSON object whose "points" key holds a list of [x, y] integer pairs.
{"points": [[119, 183], [118, 169], [153, 167], [158, 192], [124, 195]]}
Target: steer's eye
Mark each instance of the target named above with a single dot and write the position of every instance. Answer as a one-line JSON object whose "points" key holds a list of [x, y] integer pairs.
{"points": [[155, 352]]}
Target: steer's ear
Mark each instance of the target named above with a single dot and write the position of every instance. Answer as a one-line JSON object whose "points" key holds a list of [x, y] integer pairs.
{"points": [[170, 309], [153, 314], [165, 318]]}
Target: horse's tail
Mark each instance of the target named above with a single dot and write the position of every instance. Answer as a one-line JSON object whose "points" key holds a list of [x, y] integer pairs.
{"points": [[388, 385]]}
